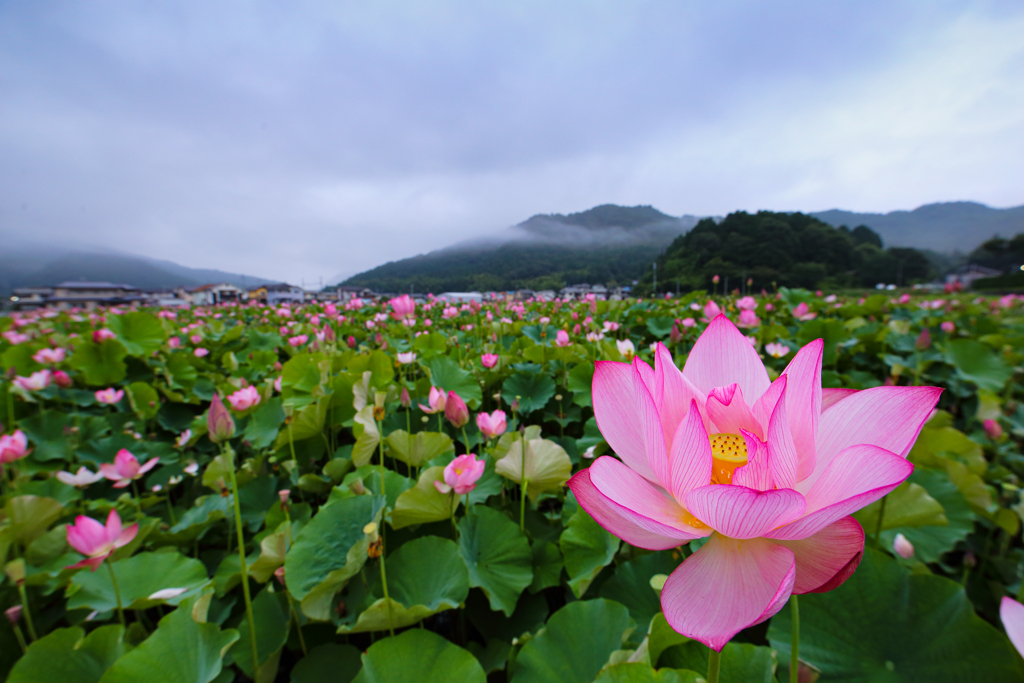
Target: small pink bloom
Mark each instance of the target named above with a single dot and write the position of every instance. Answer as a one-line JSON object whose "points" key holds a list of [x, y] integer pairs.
{"points": [[351, 341], [404, 398], [61, 379], [201, 352], [109, 396], [492, 425], [37, 381], [435, 401], [993, 429], [298, 340], [402, 307], [802, 312], [748, 319], [126, 468], [948, 327], [769, 307], [461, 475], [407, 357], [776, 350], [1011, 613], [455, 410], [102, 334], [747, 303], [489, 360], [903, 547], [711, 310], [626, 348], [562, 338], [905, 298], [48, 356], [84, 477], [97, 541], [689, 322], [13, 614], [243, 399], [610, 326], [174, 342], [196, 338], [277, 384], [330, 310], [13, 446], [283, 495], [220, 425]]}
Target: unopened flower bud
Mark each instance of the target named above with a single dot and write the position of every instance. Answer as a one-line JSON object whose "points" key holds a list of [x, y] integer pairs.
{"points": [[219, 423], [924, 340], [283, 495], [279, 573], [993, 429], [903, 547], [13, 614], [404, 398], [455, 410], [357, 487]]}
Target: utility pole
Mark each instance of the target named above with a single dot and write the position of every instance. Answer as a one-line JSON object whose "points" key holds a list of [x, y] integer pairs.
{"points": [[655, 277]]}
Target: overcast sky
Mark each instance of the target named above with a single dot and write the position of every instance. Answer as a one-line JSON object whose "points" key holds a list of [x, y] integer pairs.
{"points": [[299, 140]]}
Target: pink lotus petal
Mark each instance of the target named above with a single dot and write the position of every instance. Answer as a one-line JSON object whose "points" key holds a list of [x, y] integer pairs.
{"points": [[756, 473], [830, 397], [126, 536], [729, 413], [113, 527], [645, 372], [673, 393], [626, 524], [92, 562], [726, 586], [829, 555], [150, 464], [616, 413], [888, 417], [691, 458], [653, 435], [803, 403], [765, 406], [86, 535], [857, 477], [110, 471], [722, 356], [1011, 613], [626, 488], [740, 512], [783, 456]]}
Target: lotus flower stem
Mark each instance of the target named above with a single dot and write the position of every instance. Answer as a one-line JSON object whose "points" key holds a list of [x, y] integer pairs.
{"points": [[384, 580], [522, 484], [27, 611], [380, 442], [244, 567], [291, 603], [465, 438], [170, 510], [794, 656], [21, 639], [714, 662], [881, 515], [117, 593], [138, 500]]}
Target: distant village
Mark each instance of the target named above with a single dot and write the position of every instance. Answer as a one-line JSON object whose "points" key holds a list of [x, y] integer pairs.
{"points": [[89, 295]]}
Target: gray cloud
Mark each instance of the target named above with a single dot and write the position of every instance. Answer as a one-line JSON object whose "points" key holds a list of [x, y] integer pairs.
{"points": [[299, 140]]}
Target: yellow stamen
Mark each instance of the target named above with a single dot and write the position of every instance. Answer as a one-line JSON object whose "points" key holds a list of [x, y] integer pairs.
{"points": [[729, 452]]}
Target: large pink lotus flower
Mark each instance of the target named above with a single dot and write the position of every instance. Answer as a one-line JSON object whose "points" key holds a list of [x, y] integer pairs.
{"points": [[243, 399], [13, 446], [402, 307], [96, 541], [461, 475], [126, 468], [768, 472], [492, 425]]}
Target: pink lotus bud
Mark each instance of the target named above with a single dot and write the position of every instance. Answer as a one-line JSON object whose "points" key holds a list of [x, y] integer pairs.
{"points": [[455, 410], [406, 358], [716, 279], [675, 336], [331, 310], [948, 327], [993, 429], [489, 360], [711, 310], [747, 303], [575, 329], [279, 574], [277, 384], [13, 446], [748, 319], [404, 398], [924, 340], [492, 425], [61, 379], [903, 547], [109, 396], [461, 475], [102, 334], [277, 366], [329, 335], [351, 341], [283, 495], [13, 614], [243, 399], [689, 322], [219, 422], [201, 352], [562, 338], [98, 541]]}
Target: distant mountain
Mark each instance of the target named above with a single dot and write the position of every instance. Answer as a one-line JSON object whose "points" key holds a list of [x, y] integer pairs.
{"points": [[607, 244], [945, 227], [38, 266]]}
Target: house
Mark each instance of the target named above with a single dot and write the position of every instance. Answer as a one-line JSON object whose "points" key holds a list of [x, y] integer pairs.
{"points": [[966, 275], [212, 294], [92, 294], [348, 292], [281, 292], [30, 298], [460, 297]]}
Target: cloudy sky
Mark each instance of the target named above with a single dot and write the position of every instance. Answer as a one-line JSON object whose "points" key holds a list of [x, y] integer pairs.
{"points": [[299, 140]]}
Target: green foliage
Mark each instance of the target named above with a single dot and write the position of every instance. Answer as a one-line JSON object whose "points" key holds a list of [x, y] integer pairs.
{"points": [[418, 657], [497, 556]]}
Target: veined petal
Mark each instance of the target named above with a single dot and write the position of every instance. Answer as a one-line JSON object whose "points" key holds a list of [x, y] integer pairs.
{"points": [[113, 527], [887, 417], [783, 454], [741, 512], [1011, 613], [677, 393], [691, 459], [829, 557], [729, 413], [646, 374], [722, 356], [857, 477], [626, 488], [765, 406], [653, 435], [755, 474], [726, 586], [126, 536], [803, 403], [617, 416], [110, 471], [830, 397], [623, 523]]}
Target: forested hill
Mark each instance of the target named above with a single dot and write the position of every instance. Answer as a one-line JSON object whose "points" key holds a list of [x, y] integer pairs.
{"points": [[608, 244]]}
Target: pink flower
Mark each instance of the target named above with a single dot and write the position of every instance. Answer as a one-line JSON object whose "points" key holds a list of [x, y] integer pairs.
{"points": [[84, 477], [277, 384], [461, 475], [330, 310], [492, 425], [243, 399], [101, 335], [13, 446], [48, 356], [626, 348], [903, 547], [489, 360], [1011, 613], [436, 401], [37, 381], [711, 310], [298, 340], [562, 338], [126, 468], [610, 326], [769, 471], [407, 357], [61, 379], [747, 303], [801, 312], [109, 396], [196, 338], [15, 337], [174, 342], [688, 322], [96, 541], [220, 426], [776, 350], [201, 352], [455, 410], [948, 327], [748, 319], [993, 429], [402, 307]]}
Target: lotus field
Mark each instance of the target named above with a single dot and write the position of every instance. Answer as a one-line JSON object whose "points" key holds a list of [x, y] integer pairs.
{"points": [[764, 488]]}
